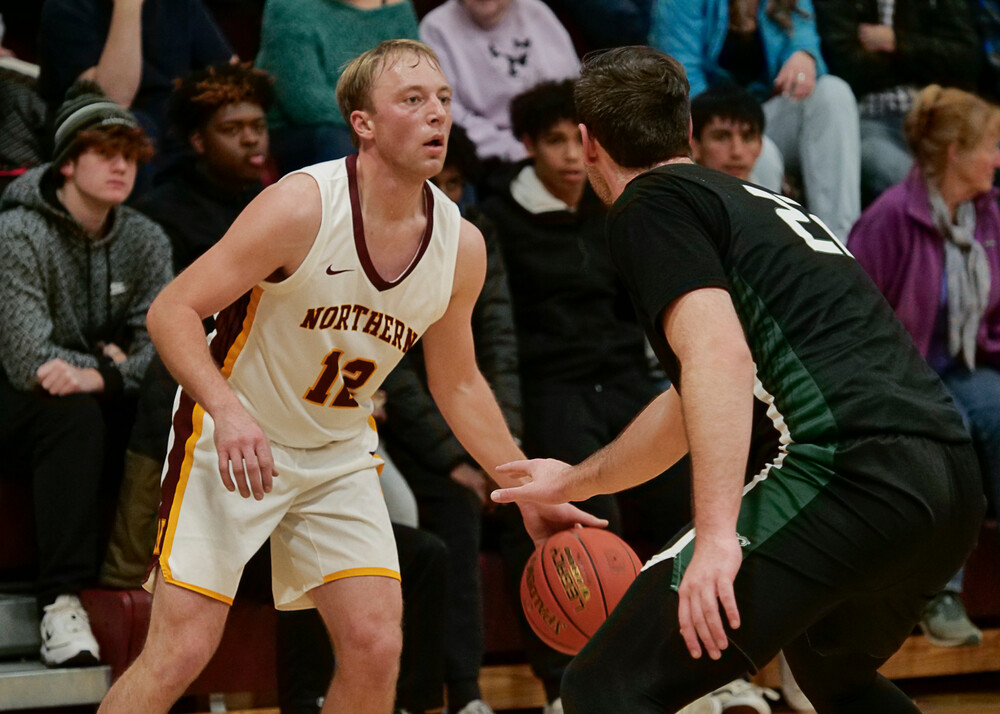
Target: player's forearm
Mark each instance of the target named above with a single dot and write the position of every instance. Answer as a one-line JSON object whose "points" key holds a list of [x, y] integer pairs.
{"points": [[475, 419], [179, 337], [718, 410], [652, 443]]}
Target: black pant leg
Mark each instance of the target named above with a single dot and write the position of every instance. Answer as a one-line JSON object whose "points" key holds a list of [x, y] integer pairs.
{"points": [[424, 565], [452, 513], [62, 438]]}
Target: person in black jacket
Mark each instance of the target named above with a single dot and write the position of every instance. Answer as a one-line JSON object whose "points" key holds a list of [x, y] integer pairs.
{"points": [[885, 50], [219, 114], [583, 366]]}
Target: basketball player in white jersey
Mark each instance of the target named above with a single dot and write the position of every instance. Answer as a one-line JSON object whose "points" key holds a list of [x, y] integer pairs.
{"points": [[320, 286]]}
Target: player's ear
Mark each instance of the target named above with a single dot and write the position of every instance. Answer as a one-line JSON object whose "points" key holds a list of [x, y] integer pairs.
{"points": [[361, 122], [590, 145]]}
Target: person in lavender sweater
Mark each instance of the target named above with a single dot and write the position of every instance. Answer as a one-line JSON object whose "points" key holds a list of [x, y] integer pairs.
{"points": [[930, 244], [491, 51]]}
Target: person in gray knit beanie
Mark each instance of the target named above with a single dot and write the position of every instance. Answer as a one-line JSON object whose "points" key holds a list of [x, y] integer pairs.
{"points": [[85, 107], [78, 275]]}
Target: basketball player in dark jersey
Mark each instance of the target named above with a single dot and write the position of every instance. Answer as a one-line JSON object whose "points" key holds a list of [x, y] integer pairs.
{"points": [[835, 487]]}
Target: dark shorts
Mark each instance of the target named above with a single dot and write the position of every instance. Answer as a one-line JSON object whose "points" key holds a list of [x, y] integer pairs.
{"points": [[837, 573]]}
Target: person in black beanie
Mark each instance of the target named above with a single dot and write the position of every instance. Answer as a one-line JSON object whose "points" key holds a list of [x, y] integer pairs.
{"points": [[79, 273]]}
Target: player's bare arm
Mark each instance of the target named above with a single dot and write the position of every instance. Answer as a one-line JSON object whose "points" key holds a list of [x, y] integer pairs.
{"points": [[653, 442], [717, 376], [268, 241], [464, 396]]}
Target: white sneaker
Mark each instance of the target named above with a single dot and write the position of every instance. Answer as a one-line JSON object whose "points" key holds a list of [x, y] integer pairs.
{"points": [[741, 695], [476, 706], [790, 688], [707, 704], [553, 707], [66, 637]]}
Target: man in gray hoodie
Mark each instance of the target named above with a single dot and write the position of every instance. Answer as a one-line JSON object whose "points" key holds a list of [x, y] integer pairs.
{"points": [[78, 275]]}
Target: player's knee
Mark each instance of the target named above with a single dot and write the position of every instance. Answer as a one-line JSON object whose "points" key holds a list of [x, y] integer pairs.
{"points": [[373, 644]]}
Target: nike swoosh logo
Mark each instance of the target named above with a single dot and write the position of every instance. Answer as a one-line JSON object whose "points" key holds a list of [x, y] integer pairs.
{"points": [[331, 271]]}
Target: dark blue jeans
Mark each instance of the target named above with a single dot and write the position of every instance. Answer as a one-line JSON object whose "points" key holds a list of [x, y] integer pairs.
{"points": [[977, 395]]}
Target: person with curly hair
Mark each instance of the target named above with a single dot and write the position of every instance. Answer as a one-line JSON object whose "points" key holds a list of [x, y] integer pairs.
{"points": [[220, 115]]}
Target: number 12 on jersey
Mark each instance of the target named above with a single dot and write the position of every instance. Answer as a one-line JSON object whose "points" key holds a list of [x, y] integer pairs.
{"points": [[788, 211], [354, 374]]}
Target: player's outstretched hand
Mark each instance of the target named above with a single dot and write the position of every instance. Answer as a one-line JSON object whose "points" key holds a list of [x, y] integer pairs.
{"points": [[245, 460], [542, 499], [540, 482], [707, 583]]}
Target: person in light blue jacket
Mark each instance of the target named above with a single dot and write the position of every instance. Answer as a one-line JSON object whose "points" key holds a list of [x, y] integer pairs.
{"points": [[772, 48]]}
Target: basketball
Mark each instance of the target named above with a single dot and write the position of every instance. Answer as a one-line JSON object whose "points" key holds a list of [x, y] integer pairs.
{"points": [[572, 582]]}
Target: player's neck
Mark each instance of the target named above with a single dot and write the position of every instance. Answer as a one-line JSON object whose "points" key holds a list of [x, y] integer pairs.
{"points": [[626, 175], [386, 192]]}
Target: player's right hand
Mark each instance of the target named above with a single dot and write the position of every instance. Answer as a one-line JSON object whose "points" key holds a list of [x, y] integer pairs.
{"points": [[542, 521], [245, 460]]}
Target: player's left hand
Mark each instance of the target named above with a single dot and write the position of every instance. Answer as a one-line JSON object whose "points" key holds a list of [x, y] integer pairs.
{"points": [[707, 583], [797, 78], [540, 482], [542, 499]]}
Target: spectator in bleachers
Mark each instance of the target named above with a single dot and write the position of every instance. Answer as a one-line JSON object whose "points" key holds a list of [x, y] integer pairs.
{"points": [[582, 359], [986, 14], [887, 50], [79, 272], [21, 124], [727, 130], [490, 51], [772, 48], [133, 49], [220, 115], [452, 491], [931, 245], [304, 45]]}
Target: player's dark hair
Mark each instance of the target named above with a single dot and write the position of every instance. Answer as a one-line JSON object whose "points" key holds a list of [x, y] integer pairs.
{"points": [[634, 101], [461, 154], [537, 110], [729, 102], [199, 95]]}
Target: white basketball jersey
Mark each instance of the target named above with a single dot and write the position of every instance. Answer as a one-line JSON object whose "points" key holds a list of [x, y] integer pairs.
{"points": [[306, 354]]}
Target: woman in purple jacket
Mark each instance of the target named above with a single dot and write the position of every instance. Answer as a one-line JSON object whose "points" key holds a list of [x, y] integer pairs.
{"points": [[930, 244]]}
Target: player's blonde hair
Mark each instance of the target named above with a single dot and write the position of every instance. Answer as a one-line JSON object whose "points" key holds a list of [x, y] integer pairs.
{"points": [[945, 116], [354, 88]]}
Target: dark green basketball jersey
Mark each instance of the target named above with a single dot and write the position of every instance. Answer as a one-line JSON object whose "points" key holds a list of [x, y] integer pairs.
{"points": [[832, 361]]}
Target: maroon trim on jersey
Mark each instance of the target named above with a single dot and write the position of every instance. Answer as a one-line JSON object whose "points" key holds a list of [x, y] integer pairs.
{"points": [[183, 427], [359, 230], [228, 325]]}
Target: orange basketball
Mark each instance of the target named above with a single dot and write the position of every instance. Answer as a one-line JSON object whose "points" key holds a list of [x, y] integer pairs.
{"points": [[572, 582]]}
